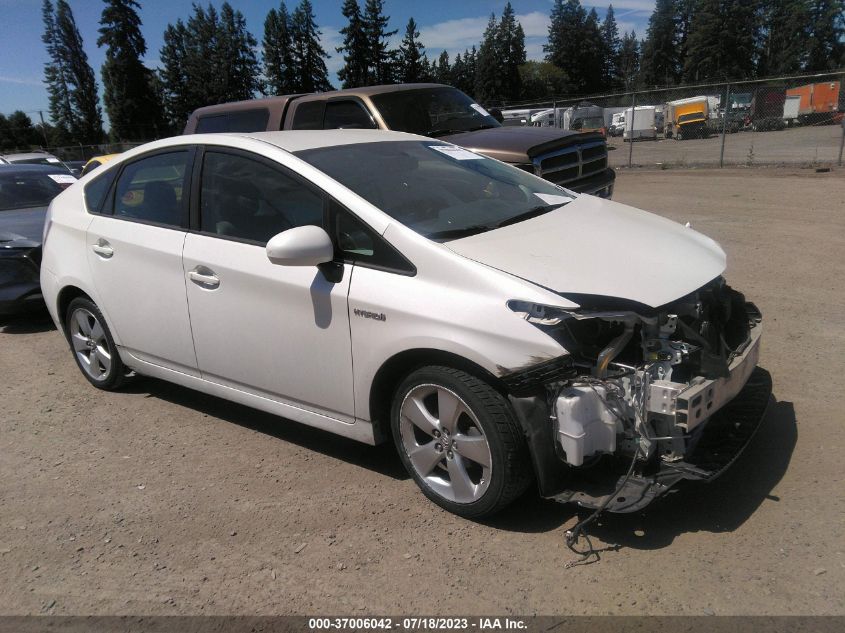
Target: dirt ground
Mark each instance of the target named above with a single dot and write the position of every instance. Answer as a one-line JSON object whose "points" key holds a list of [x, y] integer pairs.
{"points": [[809, 145], [160, 500]]}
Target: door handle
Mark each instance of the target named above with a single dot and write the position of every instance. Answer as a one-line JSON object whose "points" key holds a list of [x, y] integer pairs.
{"points": [[103, 249], [204, 277]]}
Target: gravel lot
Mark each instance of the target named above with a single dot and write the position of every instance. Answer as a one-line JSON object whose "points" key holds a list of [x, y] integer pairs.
{"points": [[160, 500], [794, 146]]}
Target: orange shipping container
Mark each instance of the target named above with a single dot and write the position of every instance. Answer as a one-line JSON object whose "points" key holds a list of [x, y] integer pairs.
{"points": [[817, 98]]}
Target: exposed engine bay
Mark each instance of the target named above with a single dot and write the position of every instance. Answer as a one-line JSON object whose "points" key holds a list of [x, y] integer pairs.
{"points": [[643, 396]]}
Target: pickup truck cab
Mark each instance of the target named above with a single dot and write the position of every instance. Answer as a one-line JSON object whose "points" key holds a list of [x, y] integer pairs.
{"points": [[577, 161]]}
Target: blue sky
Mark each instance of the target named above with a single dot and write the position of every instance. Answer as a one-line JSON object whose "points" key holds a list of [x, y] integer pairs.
{"points": [[450, 25]]}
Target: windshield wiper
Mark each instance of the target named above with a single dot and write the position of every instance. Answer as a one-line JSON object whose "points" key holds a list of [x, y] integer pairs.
{"points": [[531, 213], [443, 132], [464, 231]]}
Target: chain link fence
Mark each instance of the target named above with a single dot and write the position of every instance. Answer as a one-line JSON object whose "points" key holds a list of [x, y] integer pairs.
{"points": [[795, 120]]}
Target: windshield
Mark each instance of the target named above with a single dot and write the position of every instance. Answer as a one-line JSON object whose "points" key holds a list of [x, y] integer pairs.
{"points": [[28, 190], [432, 111], [439, 190], [694, 116], [590, 123]]}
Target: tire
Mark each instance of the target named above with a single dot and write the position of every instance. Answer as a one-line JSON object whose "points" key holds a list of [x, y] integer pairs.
{"points": [[472, 463], [93, 346]]}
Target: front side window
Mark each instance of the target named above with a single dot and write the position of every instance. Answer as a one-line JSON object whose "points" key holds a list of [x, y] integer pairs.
{"points": [[151, 189], [248, 199], [439, 190], [347, 115]]}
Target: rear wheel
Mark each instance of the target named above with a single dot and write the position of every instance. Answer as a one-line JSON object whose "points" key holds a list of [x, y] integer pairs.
{"points": [[460, 441], [93, 347]]}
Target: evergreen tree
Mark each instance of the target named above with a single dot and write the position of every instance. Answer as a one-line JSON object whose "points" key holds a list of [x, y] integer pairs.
{"points": [[542, 79], [826, 46], [511, 45], [443, 70], [381, 59], [471, 66], [629, 60], [489, 82], [722, 41], [567, 42], [129, 94], [355, 71], [17, 132], [685, 9], [87, 124], [57, 78], [593, 56], [411, 55], [611, 44], [236, 62], [785, 35], [459, 76], [660, 63], [309, 58], [175, 85], [277, 55]]}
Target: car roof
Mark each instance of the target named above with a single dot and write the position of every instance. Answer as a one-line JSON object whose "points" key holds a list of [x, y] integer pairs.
{"points": [[299, 140], [26, 156], [12, 169]]}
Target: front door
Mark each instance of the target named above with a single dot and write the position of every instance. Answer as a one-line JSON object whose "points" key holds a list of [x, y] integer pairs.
{"points": [[276, 331]]}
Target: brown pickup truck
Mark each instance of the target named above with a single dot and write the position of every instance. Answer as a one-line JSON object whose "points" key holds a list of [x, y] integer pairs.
{"points": [[575, 160]]}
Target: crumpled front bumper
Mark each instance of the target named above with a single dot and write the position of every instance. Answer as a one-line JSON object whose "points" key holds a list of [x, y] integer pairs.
{"points": [[713, 448]]}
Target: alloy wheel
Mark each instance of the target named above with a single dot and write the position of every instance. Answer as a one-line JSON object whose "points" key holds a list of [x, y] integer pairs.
{"points": [[90, 344], [445, 443]]}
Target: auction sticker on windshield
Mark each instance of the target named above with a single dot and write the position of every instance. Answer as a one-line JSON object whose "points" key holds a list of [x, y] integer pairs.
{"points": [[479, 109], [458, 153], [63, 179]]}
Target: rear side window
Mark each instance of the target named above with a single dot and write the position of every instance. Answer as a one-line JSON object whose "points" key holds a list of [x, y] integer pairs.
{"points": [[96, 190], [308, 116], [151, 189], [247, 199], [348, 115], [240, 121]]}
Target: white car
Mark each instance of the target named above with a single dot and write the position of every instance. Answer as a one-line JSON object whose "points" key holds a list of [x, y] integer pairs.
{"points": [[378, 285]]}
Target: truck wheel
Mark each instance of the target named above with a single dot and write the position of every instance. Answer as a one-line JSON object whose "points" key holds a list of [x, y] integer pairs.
{"points": [[460, 441]]}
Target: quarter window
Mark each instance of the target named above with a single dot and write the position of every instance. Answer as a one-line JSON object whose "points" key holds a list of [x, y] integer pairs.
{"points": [[358, 243], [151, 189], [347, 114], [95, 192], [246, 199]]}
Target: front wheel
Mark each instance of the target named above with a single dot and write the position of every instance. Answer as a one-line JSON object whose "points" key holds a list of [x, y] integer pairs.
{"points": [[460, 441], [93, 347]]}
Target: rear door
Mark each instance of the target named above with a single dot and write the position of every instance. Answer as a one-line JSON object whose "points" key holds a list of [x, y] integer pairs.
{"points": [[276, 331], [135, 257]]}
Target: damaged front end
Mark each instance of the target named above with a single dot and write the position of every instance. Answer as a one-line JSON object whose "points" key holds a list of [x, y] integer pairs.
{"points": [[645, 397]]}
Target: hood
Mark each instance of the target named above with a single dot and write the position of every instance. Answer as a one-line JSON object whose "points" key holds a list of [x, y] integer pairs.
{"points": [[22, 228], [518, 144], [598, 247]]}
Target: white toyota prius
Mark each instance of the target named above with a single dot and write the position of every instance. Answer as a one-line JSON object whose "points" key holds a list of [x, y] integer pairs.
{"points": [[501, 330]]}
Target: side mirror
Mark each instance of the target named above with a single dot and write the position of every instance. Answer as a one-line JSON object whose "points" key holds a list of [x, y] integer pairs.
{"points": [[301, 246]]}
